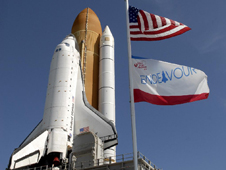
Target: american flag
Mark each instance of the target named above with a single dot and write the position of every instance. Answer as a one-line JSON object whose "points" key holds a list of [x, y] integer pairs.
{"points": [[85, 129], [144, 26]]}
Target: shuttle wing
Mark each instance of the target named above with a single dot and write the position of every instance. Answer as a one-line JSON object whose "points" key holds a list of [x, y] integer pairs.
{"points": [[87, 117], [30, 152]]}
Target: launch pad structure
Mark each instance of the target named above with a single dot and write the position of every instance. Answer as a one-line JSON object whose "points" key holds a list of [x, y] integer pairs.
{"points": [[123, 161]]}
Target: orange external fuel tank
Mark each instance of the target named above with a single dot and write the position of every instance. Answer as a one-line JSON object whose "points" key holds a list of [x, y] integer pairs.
{"points": [[87, 30]]}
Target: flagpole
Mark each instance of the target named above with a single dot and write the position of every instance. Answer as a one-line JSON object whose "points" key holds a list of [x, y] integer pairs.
{"points": [[132, 106]]}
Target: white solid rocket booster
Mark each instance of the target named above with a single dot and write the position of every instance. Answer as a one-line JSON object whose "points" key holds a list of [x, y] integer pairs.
{"points": [[107, 82]]}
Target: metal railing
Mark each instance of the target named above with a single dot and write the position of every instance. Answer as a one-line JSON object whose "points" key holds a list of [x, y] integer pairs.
{"points": [[140, 155], [46, 167], [109, 137], [148, 165], [117, 159]]}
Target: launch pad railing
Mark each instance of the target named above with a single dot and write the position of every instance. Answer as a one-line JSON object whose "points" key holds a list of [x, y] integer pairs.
{"points": [[143, 161], [109, 137], [46, 167], [118, 159]]}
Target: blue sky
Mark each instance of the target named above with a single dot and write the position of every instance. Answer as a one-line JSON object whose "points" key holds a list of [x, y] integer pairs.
{"points": [[188, 136]]}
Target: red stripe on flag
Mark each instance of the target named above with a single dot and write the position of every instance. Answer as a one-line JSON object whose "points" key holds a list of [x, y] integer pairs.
{"points": [[139, 24], [133, 26], [144, 17], [157, 38], [155, 25], [163, 21], [172, 22], [170, 27], [154, 31], [141, 96]]}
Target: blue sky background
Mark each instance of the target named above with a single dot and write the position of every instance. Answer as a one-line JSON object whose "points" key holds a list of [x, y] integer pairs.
{"points": [[181, 137]]}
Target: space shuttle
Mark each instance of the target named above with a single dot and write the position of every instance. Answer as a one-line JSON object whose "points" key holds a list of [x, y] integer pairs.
{"points": [[80, 100]]}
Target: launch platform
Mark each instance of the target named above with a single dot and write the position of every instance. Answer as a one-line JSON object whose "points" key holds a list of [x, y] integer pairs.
{"points": [[123, 161]]}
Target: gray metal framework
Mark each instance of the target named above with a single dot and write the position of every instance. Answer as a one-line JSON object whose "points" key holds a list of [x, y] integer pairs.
{"points": [[123, 161]]}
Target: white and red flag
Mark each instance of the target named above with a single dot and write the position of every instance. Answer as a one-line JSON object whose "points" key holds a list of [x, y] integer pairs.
{"points": [[163, 83], [144, 26]]}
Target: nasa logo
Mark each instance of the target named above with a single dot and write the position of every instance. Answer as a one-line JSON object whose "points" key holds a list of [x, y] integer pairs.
{"points": [[140, 65]]}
